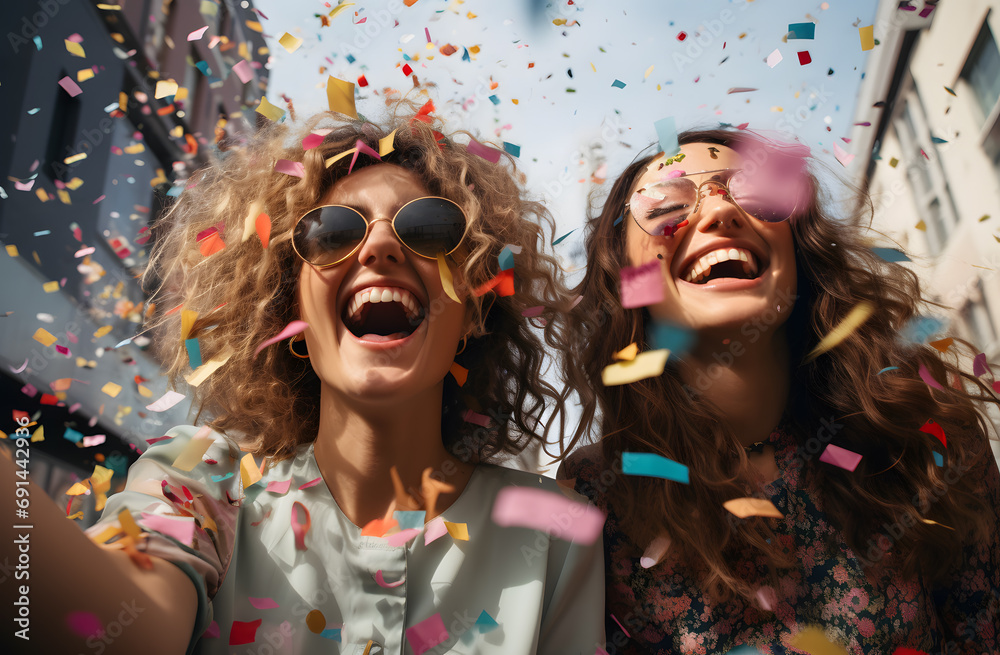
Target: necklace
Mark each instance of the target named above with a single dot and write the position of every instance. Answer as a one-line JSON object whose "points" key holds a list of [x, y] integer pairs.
{"points": [[755, 447]]}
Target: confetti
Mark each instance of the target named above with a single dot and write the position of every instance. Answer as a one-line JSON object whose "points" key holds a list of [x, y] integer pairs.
{"points": [[70, 87], [485, 623], [842, 155], [74, 48], [926, 376], [289, 167], [250, 475], [979, 365], [165, 402], [655, 551], [934, 428], [243, 71], [180, 528], [458, 531], [446, 278], [654, 466], [642, 285], [200, 374], [198, 33], [491, 155], [645, 365], [804, 57], [243, 632], [111, 389], [192, 454], [801, 30], [867, 35], [666, 132], [841, 457], [263, 603], [427, 634], [626, 354], [813, 641], [278, 487], [340, 96], [380, 581], [854, 319], [268, 110], [744, 507], [774, 58], [548, 512], [891, 254], [289, 42], [44, 337], [165, 89]]}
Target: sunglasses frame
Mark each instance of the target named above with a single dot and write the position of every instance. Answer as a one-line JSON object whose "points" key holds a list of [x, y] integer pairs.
{"points": [[697, 204], [368, 229]]}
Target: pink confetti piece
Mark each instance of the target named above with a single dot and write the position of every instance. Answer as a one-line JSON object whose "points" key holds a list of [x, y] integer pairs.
{"points": [[290, 330], [774, 58], [642, 285], [75, 38], [179, 528], [979, 365], [165, 402], [845, 459], [263, 603], [29, 390], [300, 528], [70, 87], [21, 368], [289, 167], [64, 350], [531, 312], [491, 155], [311, 483], [24, 186], [197, 34], [427, 33], [212, 630], [278, 487], [94, 440], [400, 538], [157, 439], [242, 70], [621, 626], [83, 252], [434, 529], [380, 580], [767, 598], [549, 512], [926, 376], [427, 634], [470, 416], [98, 199], [842, 155], [312, 141], [85, 624], [359, 148]]}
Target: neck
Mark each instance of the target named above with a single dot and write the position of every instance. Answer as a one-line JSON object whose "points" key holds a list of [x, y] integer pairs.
{"points": [[359, 444], [749, 383]]}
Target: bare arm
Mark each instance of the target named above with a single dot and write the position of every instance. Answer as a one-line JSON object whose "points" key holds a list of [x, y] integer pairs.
{"points": [[140, 610]]}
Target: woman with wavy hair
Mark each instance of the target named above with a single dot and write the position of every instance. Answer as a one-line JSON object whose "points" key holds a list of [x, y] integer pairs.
{"points": [[369, 528], [875, 496]]}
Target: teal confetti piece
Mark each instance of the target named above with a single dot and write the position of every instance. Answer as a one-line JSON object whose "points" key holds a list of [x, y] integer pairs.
{"points": [[888, 368], [194, 352], [123, 342], [220, 478], [506, 258], [618, 84], [32, 112], [654, 466], [891, 254], [938, 458], [409, 519], [465, 55], [485, 622], [563, 237], [72, 435], [38, 42], [666, 131], [801, 31], [42, 233], [512, 149], [332, 634], [619, 219], [495, 100], [350, 60], [678, 340], [936, 139], [175, 191], [920, 328]]}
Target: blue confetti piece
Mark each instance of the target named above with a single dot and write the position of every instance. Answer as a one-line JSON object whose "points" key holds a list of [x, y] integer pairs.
{"points": [[512, 149], [465, 55], [678, 340], [666, 132], [485, 622], [42, 233], [38, 42], [888, 368], [203, 67], [220, 478], [936, 139], [175, 191], [619, 219], [920, 328], [332, 634], [72, 435], [409, 519], [123, 342], [506, 258], [801, 31], [495, 100], [563, 237], [891, 254], [618, 84], [32, 112], [654, 466], [194, 352], [938, 458], [350, 60]]}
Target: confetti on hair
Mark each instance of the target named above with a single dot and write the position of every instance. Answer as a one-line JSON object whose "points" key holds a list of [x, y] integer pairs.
{"points": [[746, 507], [926, 376], [491, 155], [654, 466], [645, 365], [290, 330], [289, 167], [841, 457], [446, 278], [979, 365], [655, 551], [359, 148], [888, 368], [626, 354], [459, 372], [854, 319], [932, 427]]}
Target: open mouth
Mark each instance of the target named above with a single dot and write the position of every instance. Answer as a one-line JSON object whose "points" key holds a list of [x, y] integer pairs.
{"points": [[383, 314], [732, 263]]}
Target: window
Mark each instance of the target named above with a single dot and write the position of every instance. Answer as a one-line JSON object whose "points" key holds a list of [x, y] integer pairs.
{"points": [[978, 320], [982, 70]]}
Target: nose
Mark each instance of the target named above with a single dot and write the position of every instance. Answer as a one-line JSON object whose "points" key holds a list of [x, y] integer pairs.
{"points": [[716, 208], [381, 244]]}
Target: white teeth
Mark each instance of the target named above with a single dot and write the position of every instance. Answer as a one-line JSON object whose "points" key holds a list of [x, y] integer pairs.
{"points": [[397, 296], [364, 297], [703, 265], [734, 254], [712, 258], [386, 295], [375, 295]]}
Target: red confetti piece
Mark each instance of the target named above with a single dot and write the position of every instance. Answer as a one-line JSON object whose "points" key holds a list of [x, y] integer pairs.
{"points": [[804, 58], [243, 632], [406, 69], [362, 81], [681, 36], [934, 428]]}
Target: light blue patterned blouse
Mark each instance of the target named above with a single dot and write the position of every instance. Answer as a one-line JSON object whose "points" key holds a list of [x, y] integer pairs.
{"points": [[507, 590]]}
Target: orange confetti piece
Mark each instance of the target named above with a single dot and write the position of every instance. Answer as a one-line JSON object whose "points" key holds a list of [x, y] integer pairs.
{"points": [[263, 225]]}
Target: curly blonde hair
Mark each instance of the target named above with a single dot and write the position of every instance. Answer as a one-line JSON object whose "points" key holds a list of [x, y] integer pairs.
{"points": [[245, 293]]}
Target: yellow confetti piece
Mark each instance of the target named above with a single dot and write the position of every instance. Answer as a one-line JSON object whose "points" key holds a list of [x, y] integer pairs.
{"points": [[84, 74], [592, 67], [200, 374], [51, 287], [255, 26], [145, 392], [39, 434], [188, 317], [250, 222], [744, 507], [334, 12], [74, 48], [446, 280], [101, 331], [63, 196], [627, 353], [74, 158], [78, 489], [930, 522], [129, 525], [867, 35], [75, 515], [815, 642], [458, 531], [333, 160], [249, 472], [893, 162], [109, 7], [268, 110], [648, 72], [74, 184], [942, 344], [340, 96], [854, 319], [921, 225], [112, 389], [106, 535], [289, 42], [12, 250], [191, 456], [165, 88], [645, 365], [44, 337], [134, 149], [385, 144]]}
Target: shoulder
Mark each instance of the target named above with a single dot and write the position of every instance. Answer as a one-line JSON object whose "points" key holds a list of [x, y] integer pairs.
{"points": [[584, 464]]}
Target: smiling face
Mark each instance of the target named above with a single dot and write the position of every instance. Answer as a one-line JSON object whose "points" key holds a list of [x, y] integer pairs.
{"points": [[723, 268], [380, 323]]}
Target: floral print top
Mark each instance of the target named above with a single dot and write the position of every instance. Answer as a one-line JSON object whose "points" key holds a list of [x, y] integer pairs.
{"points": [[864, 609]]}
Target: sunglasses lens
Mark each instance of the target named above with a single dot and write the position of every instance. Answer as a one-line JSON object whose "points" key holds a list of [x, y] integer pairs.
{"points": [[328, 234], [767, 200], [431, 225], [663, 204]]}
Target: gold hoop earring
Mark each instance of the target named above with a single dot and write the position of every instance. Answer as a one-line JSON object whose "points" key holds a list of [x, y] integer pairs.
{"points": [[465, 342], [291, 349]]}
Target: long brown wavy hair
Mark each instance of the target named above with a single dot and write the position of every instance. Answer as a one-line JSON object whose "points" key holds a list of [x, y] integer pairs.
{"points": [[245, 293], [880, 414]]}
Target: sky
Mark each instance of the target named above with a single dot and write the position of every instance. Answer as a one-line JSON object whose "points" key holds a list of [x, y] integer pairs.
{"points": [[589, 89]]}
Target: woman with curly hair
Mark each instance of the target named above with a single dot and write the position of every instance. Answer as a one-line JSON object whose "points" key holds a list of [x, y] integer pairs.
{"points": [[870, 496], [369, 528]]}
